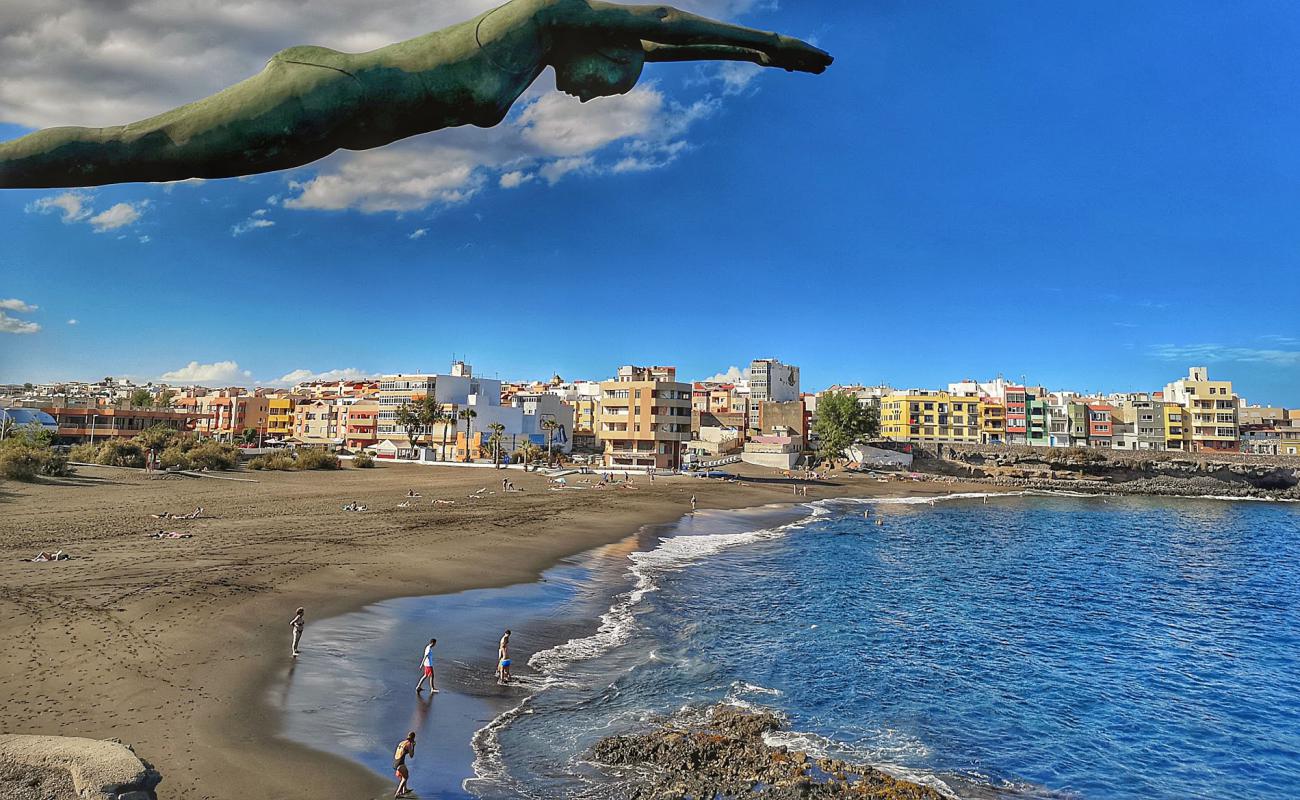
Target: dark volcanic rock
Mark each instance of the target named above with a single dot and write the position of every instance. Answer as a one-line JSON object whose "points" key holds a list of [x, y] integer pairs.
{"points": [[724, 756]]}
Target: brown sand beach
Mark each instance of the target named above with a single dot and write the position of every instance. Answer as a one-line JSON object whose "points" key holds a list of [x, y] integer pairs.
{"points": [[169, 644]]}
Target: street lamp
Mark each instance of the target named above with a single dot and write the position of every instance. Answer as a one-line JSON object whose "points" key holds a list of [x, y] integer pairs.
{"points": [[93, 418]]}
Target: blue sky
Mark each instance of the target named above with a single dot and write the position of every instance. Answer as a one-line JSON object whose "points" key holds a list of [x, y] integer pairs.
{"points": [[1093, 195]]}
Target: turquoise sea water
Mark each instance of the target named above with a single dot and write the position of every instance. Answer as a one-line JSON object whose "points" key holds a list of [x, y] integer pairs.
{"points": [[1023, 646]]}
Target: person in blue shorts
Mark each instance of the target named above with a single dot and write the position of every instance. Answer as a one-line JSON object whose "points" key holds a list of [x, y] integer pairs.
{"points": [[503, 659]]}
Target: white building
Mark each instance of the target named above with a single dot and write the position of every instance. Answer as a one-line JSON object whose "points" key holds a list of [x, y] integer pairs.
{"points": [[770, 381]]}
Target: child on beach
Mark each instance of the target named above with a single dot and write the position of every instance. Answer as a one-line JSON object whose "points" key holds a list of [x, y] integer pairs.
{"points": [[503, 659], [405, 750], [296, 624], [426, 668]]}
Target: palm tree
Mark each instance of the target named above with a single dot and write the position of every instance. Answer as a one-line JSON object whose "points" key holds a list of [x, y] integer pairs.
{"points": [[443, 418], [468, 414], [498, 433], [550, 425], [408, 419]]}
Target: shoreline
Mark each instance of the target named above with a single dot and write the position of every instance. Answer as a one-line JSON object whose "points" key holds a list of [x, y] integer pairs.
{"points": [[196, 630]]}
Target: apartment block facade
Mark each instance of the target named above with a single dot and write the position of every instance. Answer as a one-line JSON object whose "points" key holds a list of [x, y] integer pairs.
{"points": [[930, 417], [1210, 411], [770, 381], [645, 418]]}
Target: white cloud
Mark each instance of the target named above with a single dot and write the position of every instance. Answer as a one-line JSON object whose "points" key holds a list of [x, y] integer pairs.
{"points": [[14, 304], [72, 206], [251, 224], [146, 239], [10, 324], [273, 200], [515, 179], [79, 207], [72, 322], [1211, 353], [736, 76], [730, 375], [218, 372], [555, 171], [300, 375], [418, 233], [118, 216]]}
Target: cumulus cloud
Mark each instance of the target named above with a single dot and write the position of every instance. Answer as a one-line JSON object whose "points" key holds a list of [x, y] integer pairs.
{"points": [[71, 206], [730, 375], [72, 322], [10, 324], [216, 373], [14, 304], [117, 216], [300, 375], [79, 207], [418, 233], [515, 179]]}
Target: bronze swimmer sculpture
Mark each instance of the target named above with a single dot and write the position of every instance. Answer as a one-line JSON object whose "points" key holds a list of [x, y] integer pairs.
{"points": [[310, 101]]}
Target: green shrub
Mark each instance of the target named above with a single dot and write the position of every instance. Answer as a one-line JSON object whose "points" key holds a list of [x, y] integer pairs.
{"points": [[118, 453], [213, 455], [23, 460], [173, 457], [84, 453], [363, 461], [19, 462], [317, 459], [280, 460]]}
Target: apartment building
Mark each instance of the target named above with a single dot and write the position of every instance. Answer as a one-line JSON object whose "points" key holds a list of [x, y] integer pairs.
{"points": [[1026, 415], [770, 381], [226, 414], [993, 421], [645, 417], [279, 416], [1211, 408], [1101, 431], [97, 423], [925, 416], [1140, 422]]}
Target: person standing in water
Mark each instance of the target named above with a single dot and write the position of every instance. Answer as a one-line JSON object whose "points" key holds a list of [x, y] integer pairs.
{"points": [[503, 659], [426, 668], [405, 750], [296, 624]]}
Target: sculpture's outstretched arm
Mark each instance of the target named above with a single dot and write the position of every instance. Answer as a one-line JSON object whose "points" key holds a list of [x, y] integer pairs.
{"points": [[703, 52], [670, 26]]}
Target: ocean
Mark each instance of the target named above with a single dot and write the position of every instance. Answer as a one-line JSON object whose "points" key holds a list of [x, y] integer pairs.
{"points": [[1009, 646]]}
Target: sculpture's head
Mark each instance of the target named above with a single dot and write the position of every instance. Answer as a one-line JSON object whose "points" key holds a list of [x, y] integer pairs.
{"points": [[599, 73]]}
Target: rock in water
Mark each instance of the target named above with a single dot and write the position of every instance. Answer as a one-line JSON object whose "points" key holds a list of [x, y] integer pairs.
{"points": [[724, 755], [70, 768]]}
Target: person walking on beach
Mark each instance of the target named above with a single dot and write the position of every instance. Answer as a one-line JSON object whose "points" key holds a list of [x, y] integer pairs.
{"points": [[405, 750], [503, 659], [426, 668], [692, 502], [296, 624]]}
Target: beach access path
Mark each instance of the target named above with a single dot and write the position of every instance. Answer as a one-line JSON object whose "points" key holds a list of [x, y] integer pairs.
{"points": [[170, 645]]}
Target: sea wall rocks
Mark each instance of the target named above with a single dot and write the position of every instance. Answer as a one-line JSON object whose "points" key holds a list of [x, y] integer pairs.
{"points": [[722, 753], [71, 768], [1127, 472]]}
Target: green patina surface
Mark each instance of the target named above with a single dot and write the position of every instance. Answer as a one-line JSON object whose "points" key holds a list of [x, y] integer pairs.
{"points": [[310, 101]]}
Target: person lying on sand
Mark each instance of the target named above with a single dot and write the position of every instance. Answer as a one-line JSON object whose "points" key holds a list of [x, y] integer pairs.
{"points": [[170, 535], [444, 502], [412, 493], [404, 504], [57, 555], [163, 515]]}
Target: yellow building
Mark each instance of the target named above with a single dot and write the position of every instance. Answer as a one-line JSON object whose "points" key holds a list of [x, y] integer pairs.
{"points": [[930, 417], [993, 421], [1210, 411], [645, 418], [1177, 432], [279, 416]]}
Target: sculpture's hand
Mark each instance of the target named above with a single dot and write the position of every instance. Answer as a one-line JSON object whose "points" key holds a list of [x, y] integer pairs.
{"points": [[794, 55]]}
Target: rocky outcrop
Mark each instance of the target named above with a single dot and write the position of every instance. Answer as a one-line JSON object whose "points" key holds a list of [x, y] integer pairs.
{"points": [[1123, 472], [723, 754], [70, 768]]}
